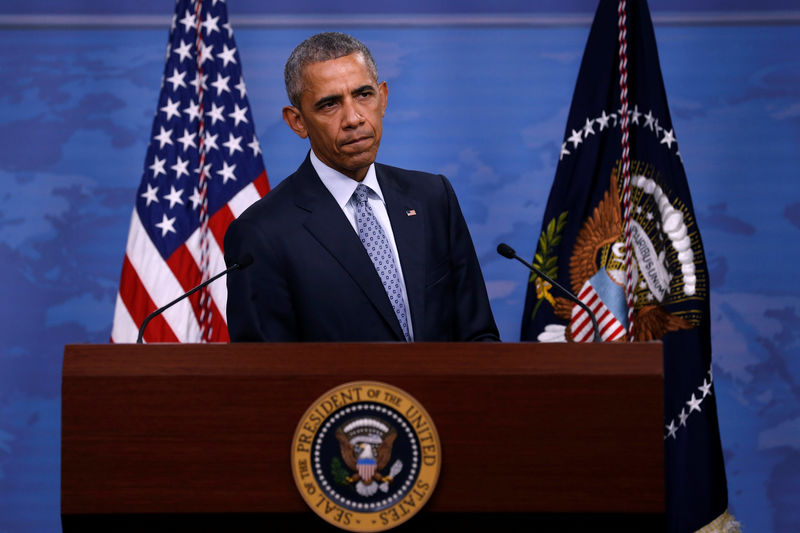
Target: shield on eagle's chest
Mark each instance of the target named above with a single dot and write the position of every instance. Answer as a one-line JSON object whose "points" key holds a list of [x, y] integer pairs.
{"points": [[366, 468], [606, 300]]}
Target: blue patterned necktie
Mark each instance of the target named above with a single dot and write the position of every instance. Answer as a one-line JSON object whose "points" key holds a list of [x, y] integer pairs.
{"points": [[377, 245]]}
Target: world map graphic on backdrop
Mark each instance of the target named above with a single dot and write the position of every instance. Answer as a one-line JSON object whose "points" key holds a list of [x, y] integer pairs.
{"points": [[76, 115]]}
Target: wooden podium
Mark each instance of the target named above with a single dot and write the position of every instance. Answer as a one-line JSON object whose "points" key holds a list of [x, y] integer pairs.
{"points": [[181, 429]]}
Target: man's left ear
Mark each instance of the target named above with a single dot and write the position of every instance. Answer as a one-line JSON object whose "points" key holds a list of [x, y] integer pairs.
{"points": [[383, 90], [293, 117]]}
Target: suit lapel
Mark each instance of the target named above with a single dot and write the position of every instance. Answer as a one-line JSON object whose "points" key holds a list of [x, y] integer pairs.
{"points": [[408, 223], [330, 227]]}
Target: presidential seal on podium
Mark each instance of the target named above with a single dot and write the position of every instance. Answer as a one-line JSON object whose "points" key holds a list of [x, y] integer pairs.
{"points": [[366, 456]]}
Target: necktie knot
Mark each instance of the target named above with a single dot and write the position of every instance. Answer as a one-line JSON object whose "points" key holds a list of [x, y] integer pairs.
{"points": [[361, 193]]}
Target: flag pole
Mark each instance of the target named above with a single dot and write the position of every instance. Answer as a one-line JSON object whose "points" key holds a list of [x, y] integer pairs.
{"points": [[625, 160]]}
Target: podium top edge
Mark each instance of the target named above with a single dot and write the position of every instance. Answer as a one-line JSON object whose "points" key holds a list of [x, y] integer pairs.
{"points": [[459, 358]]}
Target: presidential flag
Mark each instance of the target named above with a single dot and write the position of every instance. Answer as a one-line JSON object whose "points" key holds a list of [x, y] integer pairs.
{"points": [[619, 229], [202, 169]]}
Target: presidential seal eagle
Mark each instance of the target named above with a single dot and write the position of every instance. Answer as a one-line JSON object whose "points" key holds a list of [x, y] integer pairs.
{"points": [[366, 449]]}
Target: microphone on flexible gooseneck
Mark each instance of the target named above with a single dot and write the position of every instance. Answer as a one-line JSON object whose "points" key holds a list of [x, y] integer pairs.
{"points": [[509, 253], [243, 262]]}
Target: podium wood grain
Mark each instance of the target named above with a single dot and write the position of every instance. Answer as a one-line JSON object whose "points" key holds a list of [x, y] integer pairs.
{"points": [[524, 427]]}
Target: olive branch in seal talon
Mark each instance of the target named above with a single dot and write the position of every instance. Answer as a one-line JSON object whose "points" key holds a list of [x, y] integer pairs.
{"points": [[546, 261]]}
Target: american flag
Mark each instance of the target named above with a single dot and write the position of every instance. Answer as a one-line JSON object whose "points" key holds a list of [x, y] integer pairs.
{"points": [[203, 168]]}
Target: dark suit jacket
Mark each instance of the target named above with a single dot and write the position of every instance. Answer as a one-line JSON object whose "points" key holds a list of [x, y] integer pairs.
{"points": [[312, 280]]}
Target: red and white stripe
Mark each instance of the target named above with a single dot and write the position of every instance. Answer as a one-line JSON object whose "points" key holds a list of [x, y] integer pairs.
{"points": [[580, 324], [148, 281], [366, 471]]}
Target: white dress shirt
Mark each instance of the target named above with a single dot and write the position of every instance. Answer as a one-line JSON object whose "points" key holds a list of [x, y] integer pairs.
{"points": [[342, 188]]}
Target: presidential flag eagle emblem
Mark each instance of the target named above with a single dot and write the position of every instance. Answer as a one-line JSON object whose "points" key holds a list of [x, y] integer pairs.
{"points": [[662, 246]]}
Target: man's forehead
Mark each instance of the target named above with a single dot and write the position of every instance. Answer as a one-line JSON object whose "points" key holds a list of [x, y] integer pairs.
{"points": [[354, 66]]}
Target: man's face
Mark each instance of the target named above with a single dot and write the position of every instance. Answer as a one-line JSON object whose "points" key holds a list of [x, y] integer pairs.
{"points": [[341, 112]]}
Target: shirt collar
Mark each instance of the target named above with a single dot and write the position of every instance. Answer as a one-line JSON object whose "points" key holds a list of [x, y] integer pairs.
{"points": [[340, 186]]}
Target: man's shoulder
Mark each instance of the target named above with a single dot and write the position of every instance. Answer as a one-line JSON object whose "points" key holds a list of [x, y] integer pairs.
{"points": [[274, 217], [405, 173], [414, 180], [278, 202]]}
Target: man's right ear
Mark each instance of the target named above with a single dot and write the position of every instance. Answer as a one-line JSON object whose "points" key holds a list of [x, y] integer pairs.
{"points": [[292, 117]]}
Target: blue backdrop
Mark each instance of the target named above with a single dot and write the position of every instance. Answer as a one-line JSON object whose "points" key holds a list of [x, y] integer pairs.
{"points": [[485, 103]]}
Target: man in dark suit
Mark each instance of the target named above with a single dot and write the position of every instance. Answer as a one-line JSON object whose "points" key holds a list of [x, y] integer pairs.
{"points": [[346, 249]]}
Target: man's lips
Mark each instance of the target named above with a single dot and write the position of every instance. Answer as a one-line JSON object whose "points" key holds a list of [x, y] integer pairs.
{"points": [[357, 140]]}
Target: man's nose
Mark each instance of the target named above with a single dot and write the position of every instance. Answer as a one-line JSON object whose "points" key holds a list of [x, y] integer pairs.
{"points": [[352, 116]]}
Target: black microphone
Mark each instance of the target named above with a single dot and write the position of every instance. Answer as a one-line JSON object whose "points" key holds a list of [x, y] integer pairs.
{"points": [[245, 261], [509, 253]]}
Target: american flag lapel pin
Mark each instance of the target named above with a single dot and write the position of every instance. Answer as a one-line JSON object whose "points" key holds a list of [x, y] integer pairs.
{"points": [[411, 212]]}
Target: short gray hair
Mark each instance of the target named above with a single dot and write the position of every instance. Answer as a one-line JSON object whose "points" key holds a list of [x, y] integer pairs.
{"points": [[316, 49]]}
